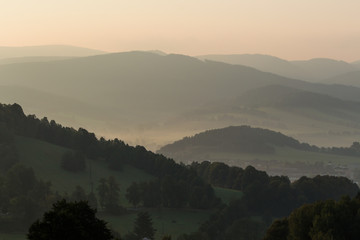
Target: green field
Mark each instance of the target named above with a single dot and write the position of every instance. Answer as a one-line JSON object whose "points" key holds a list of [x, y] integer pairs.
{"points": [[12, 236], [172, 222], [44, 158], [227, 195]]}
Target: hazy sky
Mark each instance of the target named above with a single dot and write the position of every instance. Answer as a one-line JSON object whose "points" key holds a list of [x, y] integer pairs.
{"points": [[290, 29]]}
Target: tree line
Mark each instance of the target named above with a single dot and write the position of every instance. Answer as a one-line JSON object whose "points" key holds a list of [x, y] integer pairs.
{"points": [[114, 152], [246, 139], [328, 219], [267, 197]]}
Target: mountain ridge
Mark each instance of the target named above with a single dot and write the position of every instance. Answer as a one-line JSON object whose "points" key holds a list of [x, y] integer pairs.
{"points": [[143, 92], [312, 70]]}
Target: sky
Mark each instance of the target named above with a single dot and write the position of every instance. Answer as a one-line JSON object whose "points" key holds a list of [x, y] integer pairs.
{"points": [[290, 29]]}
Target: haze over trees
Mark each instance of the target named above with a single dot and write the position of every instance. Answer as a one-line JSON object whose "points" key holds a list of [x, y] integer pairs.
{"points": [[174, 186], [167, 96], [158, 111], [267, 150]]}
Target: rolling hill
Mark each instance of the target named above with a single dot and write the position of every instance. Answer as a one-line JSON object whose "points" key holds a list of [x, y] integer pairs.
{"points": [[310, 117], [265, 63], [285, 97], [40, 145], [270, 151], [38, 152], [313, 70], [150, 79], [143, 95], [350, 79], [356, 64], [322, 68]]}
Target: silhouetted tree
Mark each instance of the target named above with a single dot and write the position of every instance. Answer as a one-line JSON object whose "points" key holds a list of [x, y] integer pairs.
{"points": [[133, 194], [109, 195], [321, 220], [70, 221], [103, 190], [143, 226]]}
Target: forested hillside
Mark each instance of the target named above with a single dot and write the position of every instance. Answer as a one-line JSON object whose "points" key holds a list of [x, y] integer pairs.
{"points": [[266, 197], [168, 190], [321, 220], [168, 176], [267, 150]]}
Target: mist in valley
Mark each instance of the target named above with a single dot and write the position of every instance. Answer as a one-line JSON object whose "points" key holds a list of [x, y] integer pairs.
{"points": [[181, 120]]}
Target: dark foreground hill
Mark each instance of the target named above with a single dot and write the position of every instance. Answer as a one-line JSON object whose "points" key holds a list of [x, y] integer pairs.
{"points": [[33, 152], [179, 197]]}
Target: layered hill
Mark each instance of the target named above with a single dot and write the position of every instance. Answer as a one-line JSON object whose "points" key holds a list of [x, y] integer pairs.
{"points": [[356, 64], [322, 68], [145, 94], [242, 139], [351, 79], [285, 97], [150, 79], [312, 70], [261, 62], [38, 149], [268, 150], [311, 117]]}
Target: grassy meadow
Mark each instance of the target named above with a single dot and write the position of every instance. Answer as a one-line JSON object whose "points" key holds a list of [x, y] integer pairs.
{"points": [[45, 158]]}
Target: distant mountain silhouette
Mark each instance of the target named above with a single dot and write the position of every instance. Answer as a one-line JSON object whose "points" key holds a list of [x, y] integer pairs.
{"points": [[46, 50], [142, 80], [139, 82], [286, 97], [148, 93], [310, 70], [161, 53], [40, 102], [356, 64], [261, 62], [308, 116], [322, 68], [351, 79]]}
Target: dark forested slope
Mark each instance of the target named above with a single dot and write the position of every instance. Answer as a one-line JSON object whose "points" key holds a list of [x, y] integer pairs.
{"points": [[235, 139], [113, 153]]}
